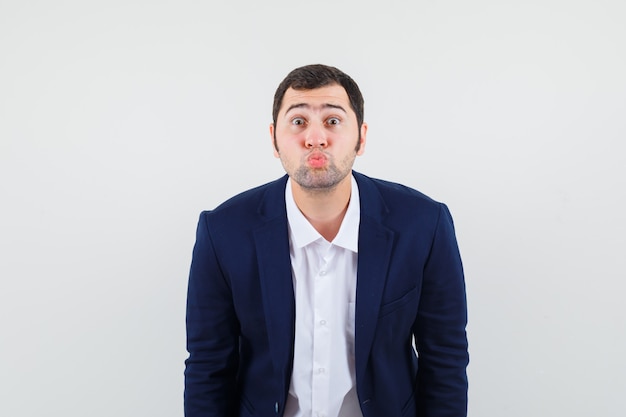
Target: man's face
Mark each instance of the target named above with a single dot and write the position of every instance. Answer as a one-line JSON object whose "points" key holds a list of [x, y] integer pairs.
{"points": [[317, 136]]}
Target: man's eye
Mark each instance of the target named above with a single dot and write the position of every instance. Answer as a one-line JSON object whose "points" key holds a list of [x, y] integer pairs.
{"points": [[297, 121], [333, 121]]}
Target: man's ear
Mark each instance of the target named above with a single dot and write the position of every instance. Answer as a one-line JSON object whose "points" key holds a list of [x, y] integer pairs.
{"points": [[363, 139], [273, 139]]}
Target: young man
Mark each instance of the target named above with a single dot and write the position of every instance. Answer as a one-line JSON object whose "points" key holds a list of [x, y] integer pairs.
{"points": [[306, 294]]}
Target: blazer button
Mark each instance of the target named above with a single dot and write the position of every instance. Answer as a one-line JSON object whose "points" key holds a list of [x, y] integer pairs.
{"points": [[276, 407]]}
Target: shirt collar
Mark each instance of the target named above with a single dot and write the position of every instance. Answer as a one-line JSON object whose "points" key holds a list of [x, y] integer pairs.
{"points": [[302, 233]]}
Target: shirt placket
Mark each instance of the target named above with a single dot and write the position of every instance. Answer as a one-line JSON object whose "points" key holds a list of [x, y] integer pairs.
{"points": [[322, 332]]}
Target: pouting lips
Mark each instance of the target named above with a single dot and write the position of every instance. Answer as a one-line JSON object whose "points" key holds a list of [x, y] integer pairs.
{"points": [[317, 160]]}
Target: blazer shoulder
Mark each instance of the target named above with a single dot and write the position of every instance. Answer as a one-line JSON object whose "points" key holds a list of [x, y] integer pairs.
{"points": [[397, 195], [249, 204]]}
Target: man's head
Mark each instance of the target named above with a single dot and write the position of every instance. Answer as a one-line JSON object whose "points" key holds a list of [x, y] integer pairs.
{"points": [[318, 127], [315, 76]]}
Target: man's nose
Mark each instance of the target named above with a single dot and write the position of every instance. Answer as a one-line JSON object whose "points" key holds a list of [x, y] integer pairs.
{"points": [[315, 137]]}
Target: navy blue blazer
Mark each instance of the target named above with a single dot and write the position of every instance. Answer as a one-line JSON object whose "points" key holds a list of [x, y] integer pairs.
{"points": [[241, 309]]}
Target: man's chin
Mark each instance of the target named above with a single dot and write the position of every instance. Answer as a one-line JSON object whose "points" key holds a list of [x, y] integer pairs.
{"points": [[318, 182]]}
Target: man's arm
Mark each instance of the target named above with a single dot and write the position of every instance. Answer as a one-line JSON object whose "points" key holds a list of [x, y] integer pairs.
{"points": [[212, 334], [440, 328]]}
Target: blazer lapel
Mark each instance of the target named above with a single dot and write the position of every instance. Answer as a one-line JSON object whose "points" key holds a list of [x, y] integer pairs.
{"points": [[274, 263], [375, 247]]}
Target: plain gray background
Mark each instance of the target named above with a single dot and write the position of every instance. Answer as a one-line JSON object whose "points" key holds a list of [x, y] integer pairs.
{"points": [[121, 120]]}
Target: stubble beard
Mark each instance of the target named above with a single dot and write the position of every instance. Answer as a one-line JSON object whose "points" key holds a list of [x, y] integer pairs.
{"points": [[322, 180]]}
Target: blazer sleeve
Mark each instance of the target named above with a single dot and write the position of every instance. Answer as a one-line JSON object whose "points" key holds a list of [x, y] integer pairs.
{"points": [[439, 329], [212, 333]]}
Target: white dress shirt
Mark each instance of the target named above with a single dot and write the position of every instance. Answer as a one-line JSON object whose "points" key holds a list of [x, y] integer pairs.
{"points": [[323, 382]]}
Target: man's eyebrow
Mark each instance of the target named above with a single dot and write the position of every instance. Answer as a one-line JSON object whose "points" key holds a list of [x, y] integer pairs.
{"points": [[307, 106]]}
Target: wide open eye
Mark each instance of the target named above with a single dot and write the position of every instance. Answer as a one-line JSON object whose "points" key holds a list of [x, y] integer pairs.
{"points": [[333, 121], [298, 121]]}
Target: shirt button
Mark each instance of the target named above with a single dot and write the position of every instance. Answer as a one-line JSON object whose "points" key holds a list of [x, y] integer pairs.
{"points": [[321, 370], [323, 322], [322, 272]]}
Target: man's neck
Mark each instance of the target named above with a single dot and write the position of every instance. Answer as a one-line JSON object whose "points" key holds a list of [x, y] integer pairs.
{"points": [[324, 209]]}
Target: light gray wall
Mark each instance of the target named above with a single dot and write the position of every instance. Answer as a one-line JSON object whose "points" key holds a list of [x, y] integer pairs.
{"points": [[121, 120]]}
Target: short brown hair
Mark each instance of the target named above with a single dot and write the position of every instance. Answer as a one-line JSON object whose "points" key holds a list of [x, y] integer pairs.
{"points": [[314, 76]]}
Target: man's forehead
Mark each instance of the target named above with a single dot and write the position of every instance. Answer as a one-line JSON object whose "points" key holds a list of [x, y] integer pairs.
{"points": [[330, 94]]}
